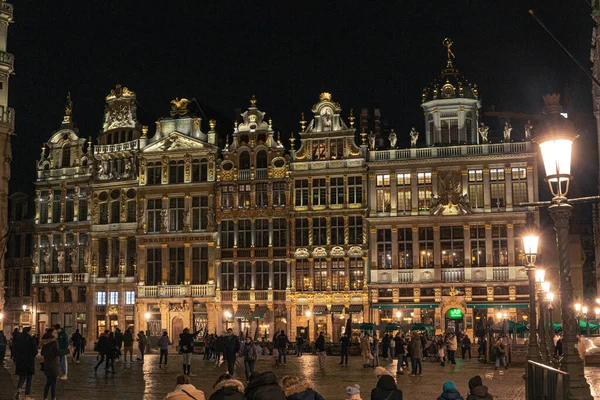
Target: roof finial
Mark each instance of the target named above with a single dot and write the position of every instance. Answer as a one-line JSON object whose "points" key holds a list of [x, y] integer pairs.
{"points": [[279, 138], [212, 124], [351, 118], [270, 123], [303, 123], [253, 101], [68, 109], [292, 141], [447, 42], [226, 141]]}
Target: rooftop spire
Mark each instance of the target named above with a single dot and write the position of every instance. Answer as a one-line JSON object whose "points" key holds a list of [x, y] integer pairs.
{"points": [[68, 109], [447, 42]]}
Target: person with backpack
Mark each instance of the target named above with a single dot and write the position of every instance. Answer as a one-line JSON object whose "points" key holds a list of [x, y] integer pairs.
{"points": [[163, 345], [250, 354], [281, 343]]}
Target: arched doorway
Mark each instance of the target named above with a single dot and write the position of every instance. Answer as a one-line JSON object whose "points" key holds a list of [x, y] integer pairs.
{"points": [[455, 320], [176, 329]]}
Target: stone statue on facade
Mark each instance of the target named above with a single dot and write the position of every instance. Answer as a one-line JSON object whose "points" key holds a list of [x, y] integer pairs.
{"points": [[35, 258], [60, 256], [187, 220], [74, 254], [102, 175], [164, 218], [414, 136], [483, 132], [507, 130], [372, 141], [46, 257], [528, 130], [393, 139], [128, 170]]}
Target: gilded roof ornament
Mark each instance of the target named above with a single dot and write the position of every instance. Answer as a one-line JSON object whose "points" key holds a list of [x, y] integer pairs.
{"points": [[325, 96], [68, 109], [118, 92], [212, 124], [303, 123], [144, 130], [447, 42], [351, 118], [253, 101], [179, 106]]}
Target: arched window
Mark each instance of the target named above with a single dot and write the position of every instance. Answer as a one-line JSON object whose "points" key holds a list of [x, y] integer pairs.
{"points": [[261, 159], [154, 173], [129, 136], [66, 157], [176, 171], [244, 160]]}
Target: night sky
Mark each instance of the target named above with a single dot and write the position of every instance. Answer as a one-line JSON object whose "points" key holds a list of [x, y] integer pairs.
{"points": [[367, 54]]}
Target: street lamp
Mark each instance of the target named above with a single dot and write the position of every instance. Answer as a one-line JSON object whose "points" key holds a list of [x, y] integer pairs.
{"points": [[24, 307], [540, 274], [531, 240], [577, 316], [556, 138], [399, 315], [308, 314], [550, 341]]}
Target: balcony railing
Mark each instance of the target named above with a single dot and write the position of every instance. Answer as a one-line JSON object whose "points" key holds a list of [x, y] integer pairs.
{"points": [[176, 291], [500, 274], [279, 295], [473, 274], [261, 173], [252, 295], [450, 151], [244, 175], [116, 148], [453, 275], [59, 278]]}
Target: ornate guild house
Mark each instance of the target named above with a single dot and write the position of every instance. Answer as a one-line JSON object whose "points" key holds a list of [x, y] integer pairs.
{"points": [[165, 230]]}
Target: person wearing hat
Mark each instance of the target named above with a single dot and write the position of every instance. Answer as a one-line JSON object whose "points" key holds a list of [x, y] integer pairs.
{"points": [[353, 392], [450, 392]]}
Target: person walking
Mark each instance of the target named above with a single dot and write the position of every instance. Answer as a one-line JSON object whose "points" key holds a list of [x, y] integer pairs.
{"points": [[163, 345], [281, 343], [142, 343], [392, 348], [185, 390], [365, 350], [25, 350], [450, 392], [385, 344], [299, 345], [15, 334], [128, 344], [466, 346], [452, 347], [441, 353], [110, 352], [321, 351], [51, 353], [232, 350], [399, 345], [118, 339], [76, 341], [250, 354], [500, 353], [100, 346], [221, 340], [481, 348], [375, 350], [3, 344], [298, 388], [345, 349], [477, 390], [186, 348], [227, 388], [63, 346], [416, 354]]}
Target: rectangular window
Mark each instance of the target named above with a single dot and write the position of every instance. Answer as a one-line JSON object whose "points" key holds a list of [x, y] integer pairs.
{"points": [[199, 213], [337, 230], [279, 194], [199, 265], [497, 187], [338, 274], [279, 275], [302, 232], [355, 230], [319, 231], [131, 253], [301, 192], [83, 205], [43, 212], [56, 206], [154, 208], [131, 212], [70, 205], [426, 247], [154, 267], [227, 192], [452, 246], [355, 192], [176, 212], [176, 171], [302, 275], [262, 198], [262, 275], [519, 186], [499, 245], [383, 193], [405, 254], [244, 233], [384, 248], [244, 275], [320, 274], [129, 297], [404, 193], [336, 191], [227, 276], [101, 298], [476, 188], [227, 234], [477, 234], [279, 232], [244, 191], [357, 274], [154, 173], [319, 192], [261, 231], [176, 266], [115, 212], [113, 298], [424, 190], [81, 295]]}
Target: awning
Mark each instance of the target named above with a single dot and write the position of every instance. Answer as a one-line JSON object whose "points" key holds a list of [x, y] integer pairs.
{"points": [[402, 306], [355, 308], [319, 310], [259, 312], [243, 312], [496, 305], [337, 309]]}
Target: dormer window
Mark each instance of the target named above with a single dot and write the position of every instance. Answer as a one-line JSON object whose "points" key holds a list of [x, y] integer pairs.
{"points": [[66, 157], [448, 90], [244, 160]]}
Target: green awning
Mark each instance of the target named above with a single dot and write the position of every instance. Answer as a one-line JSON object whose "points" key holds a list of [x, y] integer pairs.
{"points": [[259, 312], [319, 310], [495, 305], [355, 308], [422, 327], [392, 327], [416, 305], [243, 312], [337, 309]]}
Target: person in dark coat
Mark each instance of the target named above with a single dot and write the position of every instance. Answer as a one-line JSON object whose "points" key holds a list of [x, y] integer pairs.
{"points": [[478, 391], [264, 386], [345, 344], [386, 389], [299, 345], [298, 388], [232, 350], [281, 344], [385, 345], [450, 392], [100, 345], [51, 354], [220, 346], [25, 350], [63, 346], [186, 348], [128, 344], [3, 344], [13, 338], [466, 346], [76, 341], [110, 351], [118, 339], [228, 388]]}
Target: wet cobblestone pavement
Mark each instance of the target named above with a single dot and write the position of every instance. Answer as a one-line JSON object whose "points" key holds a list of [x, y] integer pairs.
{"points": [[148, 381]]}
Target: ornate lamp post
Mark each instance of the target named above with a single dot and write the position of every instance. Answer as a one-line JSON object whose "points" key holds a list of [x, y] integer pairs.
{"points": [[556, 143], [308, 314], [578, 317], [531, 240], [550, 333]]}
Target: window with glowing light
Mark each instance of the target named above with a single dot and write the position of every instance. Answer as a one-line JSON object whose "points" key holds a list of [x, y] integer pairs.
{"points": [[476, 188], [426, 247], [477, 237], [101, 298], [404, 190], [452, 246], [320, 274], [244, 191], [383, 193], [424, 190], [357, 274], [384, 248], [338, 274], [227, 192], [499, 245], [302, 275], [130, 297], [497, 188]]}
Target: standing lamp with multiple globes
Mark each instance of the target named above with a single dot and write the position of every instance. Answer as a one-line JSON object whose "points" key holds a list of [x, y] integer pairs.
{"points": [[555, 138]]}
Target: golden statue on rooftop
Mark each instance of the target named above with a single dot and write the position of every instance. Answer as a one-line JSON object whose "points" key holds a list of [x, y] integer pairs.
{"points": [[447, 42], [179, 106]]}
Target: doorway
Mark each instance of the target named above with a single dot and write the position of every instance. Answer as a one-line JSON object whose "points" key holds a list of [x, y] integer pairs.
{"points": [[176, 329], [455, 320]]}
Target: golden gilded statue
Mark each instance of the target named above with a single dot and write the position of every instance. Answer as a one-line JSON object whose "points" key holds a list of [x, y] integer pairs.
{"points": [[179, 106], [447, 42]]}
